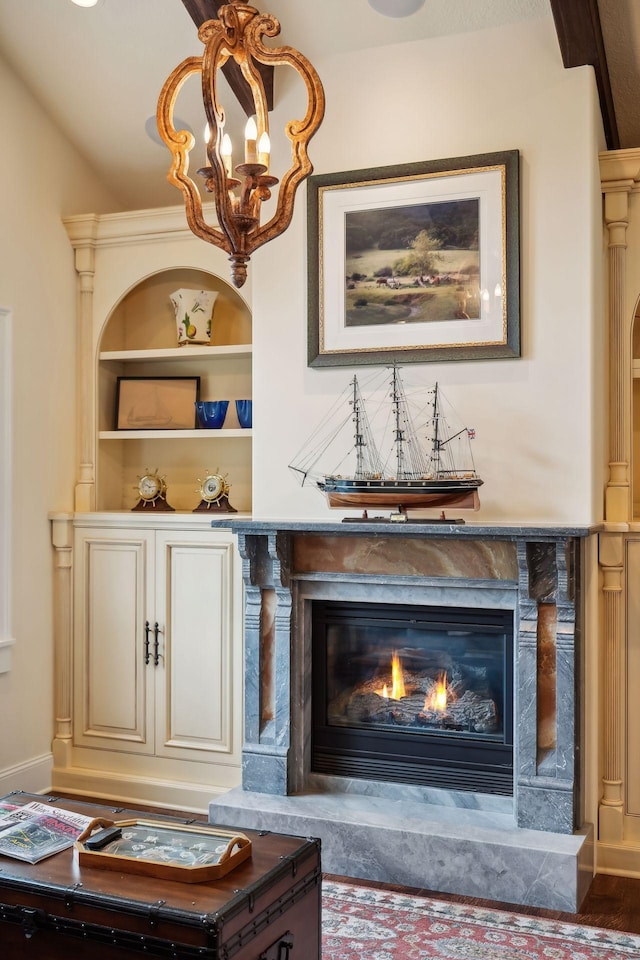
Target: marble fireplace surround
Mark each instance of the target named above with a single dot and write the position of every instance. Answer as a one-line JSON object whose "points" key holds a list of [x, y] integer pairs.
{"points": [[532, 848]]}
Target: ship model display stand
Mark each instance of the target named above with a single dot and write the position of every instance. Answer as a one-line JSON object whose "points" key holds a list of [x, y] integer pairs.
{"points": [[265, 908], [401, 516], [393, 448]]}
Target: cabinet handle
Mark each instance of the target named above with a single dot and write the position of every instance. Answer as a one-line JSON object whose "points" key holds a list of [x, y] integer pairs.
{"points": [[156, 646], [147, 655]]}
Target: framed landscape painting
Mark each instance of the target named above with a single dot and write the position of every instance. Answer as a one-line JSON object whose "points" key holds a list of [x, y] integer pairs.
{"points": [[415, 262]]}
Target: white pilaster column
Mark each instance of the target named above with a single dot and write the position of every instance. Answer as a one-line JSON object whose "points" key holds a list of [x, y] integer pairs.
{"points": [[83, 239], [618, 491]]}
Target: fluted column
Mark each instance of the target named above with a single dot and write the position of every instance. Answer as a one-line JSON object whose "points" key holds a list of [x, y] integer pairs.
{"points": [[267, 751], [611, 815], [62, 539]]}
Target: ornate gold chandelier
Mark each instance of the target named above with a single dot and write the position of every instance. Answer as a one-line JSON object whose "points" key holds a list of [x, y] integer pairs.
{"points": [[239, 191]]}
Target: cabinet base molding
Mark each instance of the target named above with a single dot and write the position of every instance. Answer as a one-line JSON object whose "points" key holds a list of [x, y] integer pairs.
{"points": [[118, 788]]}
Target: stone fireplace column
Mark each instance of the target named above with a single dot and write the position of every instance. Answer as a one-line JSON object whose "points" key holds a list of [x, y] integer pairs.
{"points": [[266, 562], [546, 682]]}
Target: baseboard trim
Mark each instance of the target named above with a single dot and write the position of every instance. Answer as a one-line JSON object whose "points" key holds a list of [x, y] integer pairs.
{"points": [[618, 859], [33, 776]]}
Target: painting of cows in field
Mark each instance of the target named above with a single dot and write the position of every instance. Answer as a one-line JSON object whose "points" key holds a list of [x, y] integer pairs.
{"points": [[412, 264]]}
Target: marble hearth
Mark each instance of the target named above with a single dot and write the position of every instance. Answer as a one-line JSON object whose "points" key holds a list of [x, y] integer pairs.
{"points": [[531, 848]]}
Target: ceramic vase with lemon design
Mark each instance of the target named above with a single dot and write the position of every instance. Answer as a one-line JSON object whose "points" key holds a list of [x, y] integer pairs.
{"points": [[193, 310]]}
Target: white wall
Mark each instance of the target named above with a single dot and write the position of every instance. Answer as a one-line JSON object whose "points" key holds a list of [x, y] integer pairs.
{"points": [[539, 419], [42, 180]]}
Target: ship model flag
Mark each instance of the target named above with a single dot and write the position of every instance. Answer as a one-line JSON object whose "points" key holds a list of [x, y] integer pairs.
{"points": [[403, 450]]}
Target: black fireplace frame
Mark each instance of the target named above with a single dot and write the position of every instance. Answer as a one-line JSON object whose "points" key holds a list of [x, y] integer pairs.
{"points": [[436, 759]]}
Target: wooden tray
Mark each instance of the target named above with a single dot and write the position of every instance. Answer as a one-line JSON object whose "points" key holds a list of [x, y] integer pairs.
{"points": [[191, 853]]}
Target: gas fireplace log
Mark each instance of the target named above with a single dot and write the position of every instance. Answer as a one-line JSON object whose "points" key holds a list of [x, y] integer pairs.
{"points": [[372, 708], [471, 712]]}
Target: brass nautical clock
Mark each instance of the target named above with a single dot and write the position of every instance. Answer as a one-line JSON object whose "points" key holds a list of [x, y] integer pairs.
{"points": [[152, 490], [214, 491]]}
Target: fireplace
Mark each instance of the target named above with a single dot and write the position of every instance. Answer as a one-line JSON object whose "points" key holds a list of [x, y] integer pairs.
{"points": [[498, 602], [415, 695]]}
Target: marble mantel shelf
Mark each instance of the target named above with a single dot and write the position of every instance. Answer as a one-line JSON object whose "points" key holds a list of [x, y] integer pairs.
{"points": [[411, 528]]}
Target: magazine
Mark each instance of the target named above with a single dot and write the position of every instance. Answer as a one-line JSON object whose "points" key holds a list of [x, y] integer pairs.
{"points": [[6, 809], [37, 830]]}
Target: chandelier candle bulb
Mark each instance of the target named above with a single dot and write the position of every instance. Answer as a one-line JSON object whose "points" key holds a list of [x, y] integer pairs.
{"points": [[207, 142], [250, 138], [226, 152], [264, 149]]}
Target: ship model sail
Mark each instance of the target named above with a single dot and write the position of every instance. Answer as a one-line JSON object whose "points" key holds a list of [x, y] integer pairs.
{"points": [[400, 457]]}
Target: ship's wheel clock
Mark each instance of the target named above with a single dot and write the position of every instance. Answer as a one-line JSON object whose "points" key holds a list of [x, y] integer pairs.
{"points": [[214, 491], [152, 491]]}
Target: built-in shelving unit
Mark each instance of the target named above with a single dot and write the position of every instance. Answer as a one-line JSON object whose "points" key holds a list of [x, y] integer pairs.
{"points": [[139, 338]]}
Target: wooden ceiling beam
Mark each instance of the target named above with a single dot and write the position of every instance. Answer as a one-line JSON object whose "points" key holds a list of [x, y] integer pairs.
{"points": [[202, 10], [581, 43]]}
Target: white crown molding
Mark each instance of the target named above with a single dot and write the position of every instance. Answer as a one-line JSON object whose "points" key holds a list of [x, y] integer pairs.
{"points": [[134, 226]]}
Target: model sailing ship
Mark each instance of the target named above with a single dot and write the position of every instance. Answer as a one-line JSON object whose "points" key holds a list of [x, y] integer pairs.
{"points": [[400, 459]]}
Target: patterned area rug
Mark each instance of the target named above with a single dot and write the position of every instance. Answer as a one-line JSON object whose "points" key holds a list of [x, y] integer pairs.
{"points": [[364, 923]]}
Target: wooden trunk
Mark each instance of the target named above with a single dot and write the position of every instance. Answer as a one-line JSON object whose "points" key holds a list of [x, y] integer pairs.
{"points": [[268, 908]]}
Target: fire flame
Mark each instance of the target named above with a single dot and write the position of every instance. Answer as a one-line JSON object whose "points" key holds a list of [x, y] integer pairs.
{"points": [[397, 680], [437, 699]]}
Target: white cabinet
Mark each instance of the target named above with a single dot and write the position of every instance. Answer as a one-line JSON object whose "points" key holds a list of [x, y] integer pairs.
{"points": [[149, 640], [157, 650]]}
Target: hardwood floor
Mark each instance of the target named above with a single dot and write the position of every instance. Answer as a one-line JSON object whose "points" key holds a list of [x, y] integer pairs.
{"points": [[612, 902]]}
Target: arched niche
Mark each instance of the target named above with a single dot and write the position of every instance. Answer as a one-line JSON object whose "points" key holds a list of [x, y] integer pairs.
{"points": [[143, 318]]}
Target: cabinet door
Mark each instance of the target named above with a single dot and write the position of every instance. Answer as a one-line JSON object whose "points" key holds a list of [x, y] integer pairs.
{"points": [[197, 688], [113, 699]]}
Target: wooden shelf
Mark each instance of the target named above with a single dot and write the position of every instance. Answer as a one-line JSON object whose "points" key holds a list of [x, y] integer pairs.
{"points": [[227, 352], [174, 434]]}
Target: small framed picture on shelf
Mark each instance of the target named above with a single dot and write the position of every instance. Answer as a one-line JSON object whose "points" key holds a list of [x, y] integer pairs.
{"points": [[156, 403]]}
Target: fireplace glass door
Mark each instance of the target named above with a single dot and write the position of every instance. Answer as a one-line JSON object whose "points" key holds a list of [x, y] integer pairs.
{"points": [[419, 695]]}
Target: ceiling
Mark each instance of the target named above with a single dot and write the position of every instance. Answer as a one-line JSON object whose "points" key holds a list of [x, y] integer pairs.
{"points": [[98, 71]]}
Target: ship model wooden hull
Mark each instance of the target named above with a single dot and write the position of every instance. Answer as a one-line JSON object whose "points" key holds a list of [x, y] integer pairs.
{"points": [[401, 494]]}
